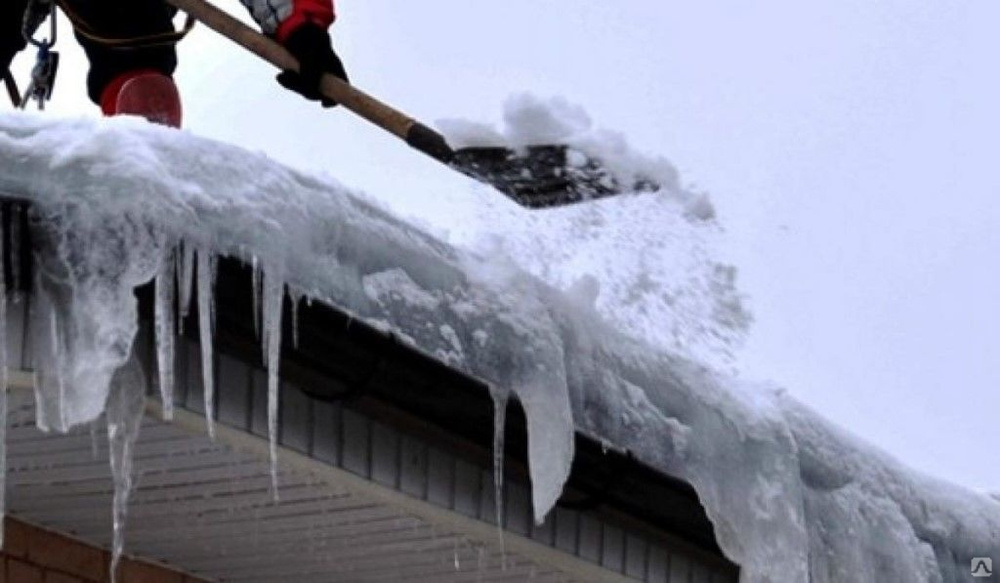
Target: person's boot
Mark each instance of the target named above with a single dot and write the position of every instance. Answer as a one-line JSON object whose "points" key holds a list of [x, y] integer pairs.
{"points": [[148, 94]]}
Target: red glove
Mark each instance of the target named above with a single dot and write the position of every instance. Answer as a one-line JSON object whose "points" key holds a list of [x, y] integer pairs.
{"points": [[311, 45]]}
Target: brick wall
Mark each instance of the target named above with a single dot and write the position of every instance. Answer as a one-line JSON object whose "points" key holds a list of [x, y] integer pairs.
{"points": [[36, 555]]}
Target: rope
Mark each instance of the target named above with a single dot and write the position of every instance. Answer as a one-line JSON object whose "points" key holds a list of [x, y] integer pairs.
{"points": [[151, 40]]}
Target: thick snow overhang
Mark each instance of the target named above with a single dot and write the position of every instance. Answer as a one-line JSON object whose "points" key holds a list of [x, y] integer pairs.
{"points": [[791, 496], [385, 466]]}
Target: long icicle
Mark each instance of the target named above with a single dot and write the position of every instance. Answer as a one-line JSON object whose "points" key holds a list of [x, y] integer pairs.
{"points": [[185, 276], [165, 331], [125, 408], [257, 275], [500, 399], [274, 292], [206, 324]]}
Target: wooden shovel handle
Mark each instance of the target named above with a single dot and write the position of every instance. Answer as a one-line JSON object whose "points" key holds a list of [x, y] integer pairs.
{"points": [[393, 121]]}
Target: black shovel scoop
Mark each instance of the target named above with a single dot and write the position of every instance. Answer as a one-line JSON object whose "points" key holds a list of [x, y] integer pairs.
{"points": [[535, 177], [544, 176]]}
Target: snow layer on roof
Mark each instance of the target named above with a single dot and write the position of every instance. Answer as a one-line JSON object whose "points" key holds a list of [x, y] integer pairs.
{"points": [[792, 498]]}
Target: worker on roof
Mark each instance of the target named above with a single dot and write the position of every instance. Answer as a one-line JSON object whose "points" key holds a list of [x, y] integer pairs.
{"points": [[131, 47]]}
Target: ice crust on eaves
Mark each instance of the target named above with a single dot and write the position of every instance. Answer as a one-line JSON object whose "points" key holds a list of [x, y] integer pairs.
{"points": [[792, 498], [123, 196]]}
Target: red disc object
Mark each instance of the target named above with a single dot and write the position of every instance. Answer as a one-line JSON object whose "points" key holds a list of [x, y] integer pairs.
{"points": [[153, 96]]}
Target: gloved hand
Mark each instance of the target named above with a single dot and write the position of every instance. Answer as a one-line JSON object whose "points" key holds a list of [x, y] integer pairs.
{"points": [[312, 47]]}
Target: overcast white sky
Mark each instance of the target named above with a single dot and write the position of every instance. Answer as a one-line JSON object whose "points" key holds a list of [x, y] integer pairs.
{"points": [[850, 147]]}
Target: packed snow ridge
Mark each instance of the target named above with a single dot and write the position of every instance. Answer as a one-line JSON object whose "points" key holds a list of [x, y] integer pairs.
{"points": [[587, 314]]}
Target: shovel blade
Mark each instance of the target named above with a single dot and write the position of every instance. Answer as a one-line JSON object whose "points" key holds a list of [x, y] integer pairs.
{"points": [[543, 176]]}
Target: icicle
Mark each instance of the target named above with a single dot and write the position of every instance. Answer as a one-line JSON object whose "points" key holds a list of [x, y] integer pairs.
{"points": [[274, 291], [47, 355], [257, 277], [3, 394], [206, 323], [165, 330], [58, 351], [185, 257], [126, 403], [500, 399]]}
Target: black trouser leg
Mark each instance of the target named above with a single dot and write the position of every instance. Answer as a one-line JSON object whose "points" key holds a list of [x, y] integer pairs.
{"points": [[11, 40], [122, 19]]}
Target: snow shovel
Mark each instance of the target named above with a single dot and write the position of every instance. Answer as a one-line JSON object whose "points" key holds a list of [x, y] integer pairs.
{"points": [[537, 177]]}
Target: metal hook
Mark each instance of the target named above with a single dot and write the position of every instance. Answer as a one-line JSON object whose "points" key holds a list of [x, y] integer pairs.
{"points": [[43, 75], [43, 78]]}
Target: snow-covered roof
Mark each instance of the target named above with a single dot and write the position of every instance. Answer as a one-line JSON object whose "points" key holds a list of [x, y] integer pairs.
{"points": [[792, 498]]}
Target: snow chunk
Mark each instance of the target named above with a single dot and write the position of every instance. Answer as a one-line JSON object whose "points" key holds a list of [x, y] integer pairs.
{"points": [[469, 134], [529, 120], [660, 277]]}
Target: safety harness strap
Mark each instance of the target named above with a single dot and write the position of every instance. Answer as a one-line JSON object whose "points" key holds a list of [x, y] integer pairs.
{"points": [[160, 39]]}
